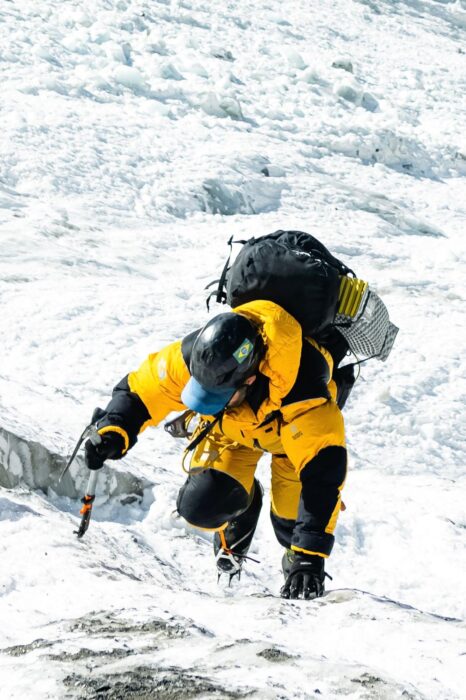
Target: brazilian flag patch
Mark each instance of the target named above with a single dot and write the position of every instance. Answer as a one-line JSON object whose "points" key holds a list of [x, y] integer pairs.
{"points": [[244, 350]]}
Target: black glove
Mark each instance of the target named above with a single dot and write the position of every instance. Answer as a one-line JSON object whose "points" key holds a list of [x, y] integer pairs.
{"points": [[111, 446], [306, 577]]}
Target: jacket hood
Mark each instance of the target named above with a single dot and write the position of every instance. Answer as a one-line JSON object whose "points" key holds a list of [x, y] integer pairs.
{"points": [[282, 335]]}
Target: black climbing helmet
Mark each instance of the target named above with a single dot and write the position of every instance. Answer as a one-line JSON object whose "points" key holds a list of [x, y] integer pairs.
{"points": [[226, 352]]}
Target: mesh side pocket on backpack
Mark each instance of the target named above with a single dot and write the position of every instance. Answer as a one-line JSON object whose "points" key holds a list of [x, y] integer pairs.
{"points": [[369, 333]]}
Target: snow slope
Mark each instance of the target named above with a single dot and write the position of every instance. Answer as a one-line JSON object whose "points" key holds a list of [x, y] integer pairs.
{"points": [[136, 138]]}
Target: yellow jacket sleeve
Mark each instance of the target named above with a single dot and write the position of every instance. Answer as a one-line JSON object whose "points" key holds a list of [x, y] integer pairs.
{"points": [[159, 382]]}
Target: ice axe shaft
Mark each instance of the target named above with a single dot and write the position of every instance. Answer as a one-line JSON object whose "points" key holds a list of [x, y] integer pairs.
{"points": [[87, 501]]}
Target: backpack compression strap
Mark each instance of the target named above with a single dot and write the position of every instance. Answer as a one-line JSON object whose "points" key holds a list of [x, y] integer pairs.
{"points": [[220, 294]]}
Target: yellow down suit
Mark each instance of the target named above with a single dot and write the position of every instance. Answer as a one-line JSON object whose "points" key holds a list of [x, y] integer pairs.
{"points": [[290, 412]]}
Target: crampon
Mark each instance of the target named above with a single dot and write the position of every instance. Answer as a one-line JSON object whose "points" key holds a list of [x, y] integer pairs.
{"points": [[230, 563]]}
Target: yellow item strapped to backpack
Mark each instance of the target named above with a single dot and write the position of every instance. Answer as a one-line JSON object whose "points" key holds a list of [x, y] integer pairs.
{"points": [[352, 293]]}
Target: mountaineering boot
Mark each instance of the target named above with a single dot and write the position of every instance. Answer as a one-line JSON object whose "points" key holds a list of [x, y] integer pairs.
{"points": [[304, 575], [287, 561], [231, 545]]}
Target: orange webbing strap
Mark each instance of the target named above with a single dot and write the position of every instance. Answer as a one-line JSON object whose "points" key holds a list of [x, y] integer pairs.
{"points": [[224, 542], [87, 504]]}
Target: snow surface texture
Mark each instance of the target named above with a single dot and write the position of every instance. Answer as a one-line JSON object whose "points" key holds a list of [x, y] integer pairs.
{"points": [[136, 138]]}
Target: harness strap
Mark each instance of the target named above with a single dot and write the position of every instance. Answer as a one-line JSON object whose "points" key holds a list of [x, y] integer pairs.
{"points": [[204, 432]]}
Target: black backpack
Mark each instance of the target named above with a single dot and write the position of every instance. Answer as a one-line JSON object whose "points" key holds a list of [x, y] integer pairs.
{"points": [[296, 271], [292, 269]]}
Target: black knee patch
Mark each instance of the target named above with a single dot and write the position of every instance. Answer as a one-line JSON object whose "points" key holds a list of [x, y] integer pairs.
{"points": [[209, 498], [328, 468], [321, 479]]}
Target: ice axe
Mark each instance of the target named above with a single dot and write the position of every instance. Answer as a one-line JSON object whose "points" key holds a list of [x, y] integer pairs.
{"points": [[91, 433]]}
